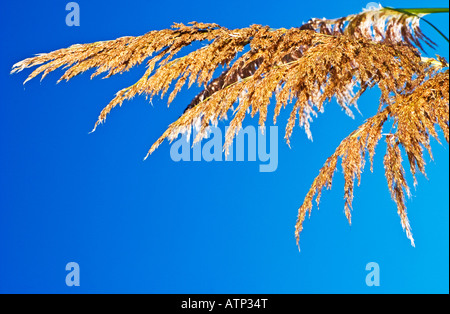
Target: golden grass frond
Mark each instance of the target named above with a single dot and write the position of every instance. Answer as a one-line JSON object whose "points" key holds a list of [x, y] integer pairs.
{"points": [[416, 113], [379, 24], [117, 56], [160, 47], [323, 67], [305, 66]]}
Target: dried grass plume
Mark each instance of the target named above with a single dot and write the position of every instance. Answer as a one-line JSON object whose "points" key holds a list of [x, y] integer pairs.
{"points": [[244, 71]]}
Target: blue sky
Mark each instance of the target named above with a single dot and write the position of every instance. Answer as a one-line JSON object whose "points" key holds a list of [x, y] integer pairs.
{"points": [[190, 227]]}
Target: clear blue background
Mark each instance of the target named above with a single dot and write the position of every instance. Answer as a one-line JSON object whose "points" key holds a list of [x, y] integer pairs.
{"points": [[194, 227]]}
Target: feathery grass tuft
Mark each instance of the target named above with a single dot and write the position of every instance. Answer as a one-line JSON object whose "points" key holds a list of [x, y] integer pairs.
{"points": [[303, 67]]}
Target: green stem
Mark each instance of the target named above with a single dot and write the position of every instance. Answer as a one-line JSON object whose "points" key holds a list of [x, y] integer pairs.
{"points": [[417, 11]]}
